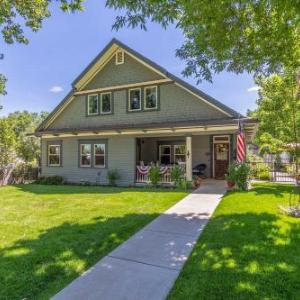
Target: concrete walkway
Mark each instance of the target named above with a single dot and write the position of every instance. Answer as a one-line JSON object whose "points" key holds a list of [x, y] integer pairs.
{"points": [[147, 265]]}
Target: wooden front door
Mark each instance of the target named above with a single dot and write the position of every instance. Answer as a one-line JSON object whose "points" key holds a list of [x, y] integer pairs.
{"points": [[221, 159]]}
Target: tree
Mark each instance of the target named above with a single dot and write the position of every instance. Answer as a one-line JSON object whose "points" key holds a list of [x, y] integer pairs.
{"points": [[234, 35], [7, 142], [257, 36], [26, 147], [278, 112], [31, 13]]}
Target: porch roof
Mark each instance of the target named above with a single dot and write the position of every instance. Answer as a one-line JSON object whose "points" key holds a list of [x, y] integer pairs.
{"points": [[184, 127]]}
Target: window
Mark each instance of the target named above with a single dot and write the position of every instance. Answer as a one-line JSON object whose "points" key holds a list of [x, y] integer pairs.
{"points": [[134, 100], [179, 153], [85, 155], [54, 152], [92, 104], [151, 97], [119, 57], [165, 154], [99, 155], [105, 104]]}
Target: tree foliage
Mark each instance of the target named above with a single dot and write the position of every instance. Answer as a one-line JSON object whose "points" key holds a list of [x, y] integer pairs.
{"points": [[14, 137], [15, 15], [278, 111], [234, 35]]}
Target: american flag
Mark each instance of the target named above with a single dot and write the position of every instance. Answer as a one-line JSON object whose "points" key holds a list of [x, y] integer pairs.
{"points": [[240, 144]]}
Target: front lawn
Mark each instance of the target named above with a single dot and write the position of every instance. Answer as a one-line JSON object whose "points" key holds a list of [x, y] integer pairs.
{"points": [[51, 234], [247, 251]]}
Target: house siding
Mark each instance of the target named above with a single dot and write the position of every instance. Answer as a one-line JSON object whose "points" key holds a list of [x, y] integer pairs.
{"points": [[176, 104], [131, 71], [120, 156]]}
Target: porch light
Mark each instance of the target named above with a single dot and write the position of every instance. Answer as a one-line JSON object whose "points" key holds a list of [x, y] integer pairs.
{"points": [[188, 154]]}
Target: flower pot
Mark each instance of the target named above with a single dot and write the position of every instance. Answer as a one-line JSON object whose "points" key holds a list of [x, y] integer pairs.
{"points": [[230, 184], [197, 182]]}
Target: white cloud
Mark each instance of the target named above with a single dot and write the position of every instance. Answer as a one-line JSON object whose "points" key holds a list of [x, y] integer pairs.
{"points": [[56, 89], [253, 89]]}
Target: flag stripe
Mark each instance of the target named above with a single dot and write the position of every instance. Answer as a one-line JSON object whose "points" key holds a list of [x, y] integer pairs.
{"points": [[241, 144]]}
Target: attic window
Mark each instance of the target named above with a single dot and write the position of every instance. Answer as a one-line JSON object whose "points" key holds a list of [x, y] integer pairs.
{"points": [[119, 57]]}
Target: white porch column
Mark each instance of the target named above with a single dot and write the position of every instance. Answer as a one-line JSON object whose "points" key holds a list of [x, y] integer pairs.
{"points": [[189, 159]]}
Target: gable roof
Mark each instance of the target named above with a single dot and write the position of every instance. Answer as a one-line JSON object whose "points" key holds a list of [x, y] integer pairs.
{"points": [[104, 56]]}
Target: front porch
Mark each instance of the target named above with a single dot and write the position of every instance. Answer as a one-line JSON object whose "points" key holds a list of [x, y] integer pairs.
{"points": [[207, 156]]}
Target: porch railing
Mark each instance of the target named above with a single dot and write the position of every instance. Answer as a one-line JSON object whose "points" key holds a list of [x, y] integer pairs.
{"points": [[142, 174]]}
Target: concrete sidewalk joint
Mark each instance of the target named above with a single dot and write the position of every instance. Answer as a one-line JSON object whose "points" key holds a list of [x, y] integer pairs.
{"points": [[147, 265]]}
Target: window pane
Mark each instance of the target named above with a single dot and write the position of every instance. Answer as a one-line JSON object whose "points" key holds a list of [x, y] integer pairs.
{"points": [[165, 150], [180, 149], [99, 160], [151, 98], [93, 104], [54, 149], [54, 160], [106, 103], [85, 149], [180, 158], [85, 160], [99, 149], [134, 99], [165, 159]]}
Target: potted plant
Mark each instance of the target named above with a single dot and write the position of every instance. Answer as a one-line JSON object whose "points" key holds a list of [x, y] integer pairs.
{"points": [[231, 175]]}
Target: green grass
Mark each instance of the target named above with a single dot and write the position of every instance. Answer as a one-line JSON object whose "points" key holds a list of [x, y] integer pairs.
{"points": [[51, 234], [247, 251]]}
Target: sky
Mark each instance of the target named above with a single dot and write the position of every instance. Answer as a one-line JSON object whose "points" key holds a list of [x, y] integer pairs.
{"points": [[40, 73]]}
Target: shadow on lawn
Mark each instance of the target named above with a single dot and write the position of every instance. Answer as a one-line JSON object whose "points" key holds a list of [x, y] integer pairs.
{"points": [[37, 269], [244, 256], [77, 189]]}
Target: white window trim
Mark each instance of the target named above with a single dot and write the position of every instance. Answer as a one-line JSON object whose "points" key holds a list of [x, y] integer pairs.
{"points": [[116, 57], [94, 156], [88, 105], [81, 154], [101, 95], [160, 153], [145, 102], [177, 146], [139, 89], [59, 155]]}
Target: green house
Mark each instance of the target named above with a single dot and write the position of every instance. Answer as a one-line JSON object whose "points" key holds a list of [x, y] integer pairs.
{"points": [[125, 112]]}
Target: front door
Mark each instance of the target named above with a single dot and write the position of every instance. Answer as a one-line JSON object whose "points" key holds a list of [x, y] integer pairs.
{"points": [[221, 159]]}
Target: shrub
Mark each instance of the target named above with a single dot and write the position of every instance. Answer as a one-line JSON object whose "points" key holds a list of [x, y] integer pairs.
{"points": [[154, 175], [176, 174], [113, 176], [239, 173], [260, 171], [185, 184], [50, 180], [231, 172], [242, 176]]}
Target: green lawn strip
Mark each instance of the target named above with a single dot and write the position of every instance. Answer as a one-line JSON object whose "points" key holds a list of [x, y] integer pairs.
{"points": [[247, 251], [51, 234]]}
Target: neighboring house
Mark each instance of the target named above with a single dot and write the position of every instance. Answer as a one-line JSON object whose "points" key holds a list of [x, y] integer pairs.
{"points": [[125, 112]]}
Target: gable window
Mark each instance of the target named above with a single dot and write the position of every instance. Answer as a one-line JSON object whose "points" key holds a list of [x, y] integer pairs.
{"points": [[105, 103], [150, 97], [119, 57], [54, 155], [165, 154], [85, 155], [179, 153], [92, 105], [99, 155], [134, 102]]}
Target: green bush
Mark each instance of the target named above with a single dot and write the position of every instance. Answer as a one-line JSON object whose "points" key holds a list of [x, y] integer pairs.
{"points": [[260, 171], [176, 175], [185, 184], [113, 176], [50, 180], [154, 175], [239, 173]]}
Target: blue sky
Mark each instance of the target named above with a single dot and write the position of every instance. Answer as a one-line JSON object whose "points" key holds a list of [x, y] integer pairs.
{"points": [[40, 74]]}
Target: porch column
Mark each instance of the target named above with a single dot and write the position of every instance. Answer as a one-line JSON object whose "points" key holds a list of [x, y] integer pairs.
{"points": [[189, 166]]}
